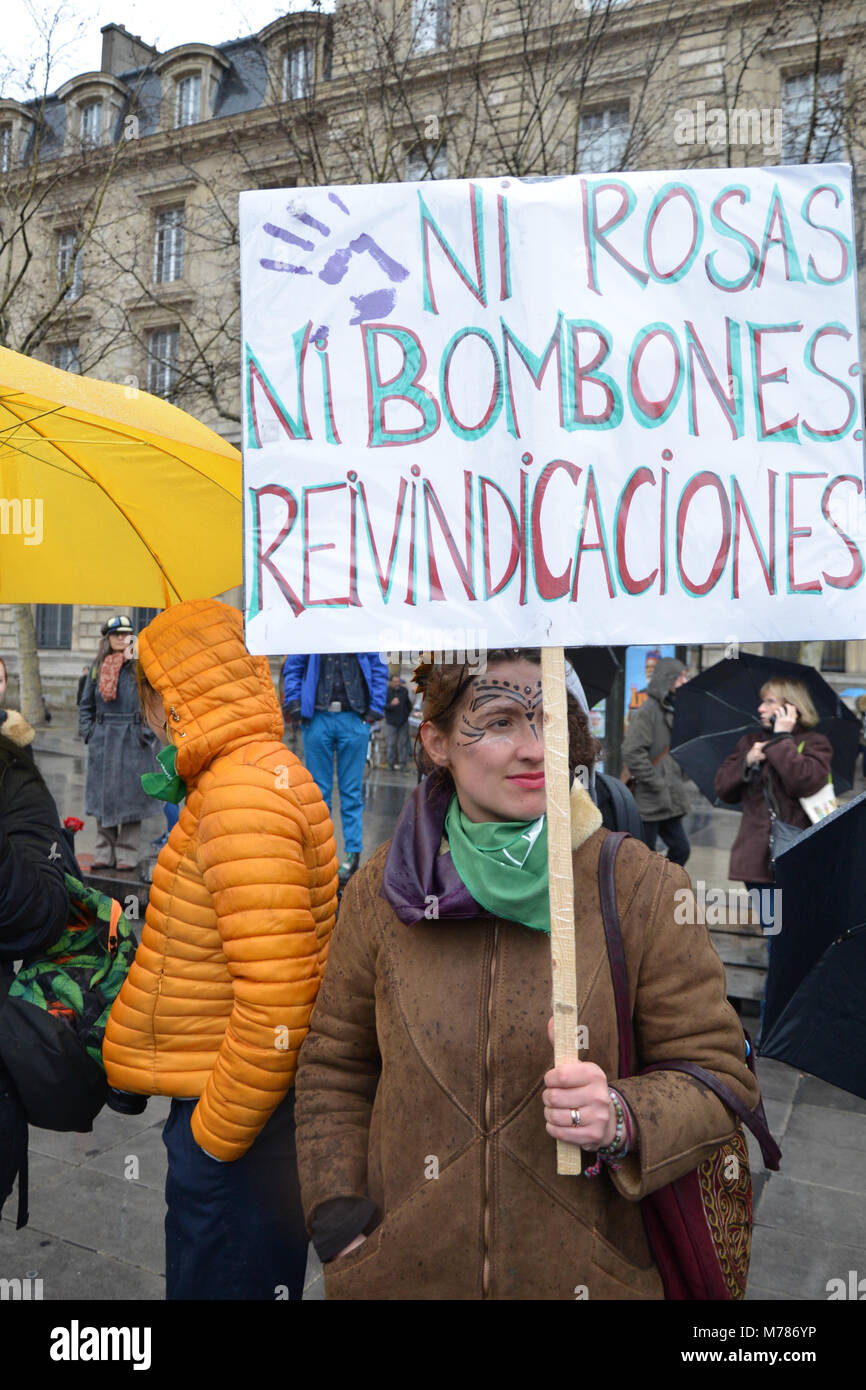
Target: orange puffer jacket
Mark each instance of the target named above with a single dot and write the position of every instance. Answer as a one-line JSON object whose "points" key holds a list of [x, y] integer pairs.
{"points": [[218, 999]]}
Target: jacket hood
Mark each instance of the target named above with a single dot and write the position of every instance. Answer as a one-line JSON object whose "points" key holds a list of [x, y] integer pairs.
{"points": [[415, 871], [663, 677], [218, 695], [15, 728]]}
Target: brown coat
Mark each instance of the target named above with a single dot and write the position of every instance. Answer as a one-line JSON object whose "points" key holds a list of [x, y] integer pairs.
{"points": [[794, 774], [420, 1084]]}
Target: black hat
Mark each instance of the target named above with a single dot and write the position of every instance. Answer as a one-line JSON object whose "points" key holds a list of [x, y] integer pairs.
{"points": [[118, 626]]}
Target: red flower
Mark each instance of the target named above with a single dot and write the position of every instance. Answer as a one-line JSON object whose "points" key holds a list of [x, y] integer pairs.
{"points": [[74, 824]]}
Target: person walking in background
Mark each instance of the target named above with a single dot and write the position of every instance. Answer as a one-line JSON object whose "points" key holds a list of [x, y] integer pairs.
{"points": [[120, 749], [335, 699], [398, 707], [656, 779], [218, 999]]}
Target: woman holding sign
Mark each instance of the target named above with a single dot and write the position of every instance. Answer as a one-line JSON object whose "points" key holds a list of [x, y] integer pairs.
{"points": [[427, 1098]]}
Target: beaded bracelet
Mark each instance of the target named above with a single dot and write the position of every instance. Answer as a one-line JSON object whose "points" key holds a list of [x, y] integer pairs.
{"points": [[613, 1153]]}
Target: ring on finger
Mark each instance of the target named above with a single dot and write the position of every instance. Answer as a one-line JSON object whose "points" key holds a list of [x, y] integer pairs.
{"points": [[575, 1118]]}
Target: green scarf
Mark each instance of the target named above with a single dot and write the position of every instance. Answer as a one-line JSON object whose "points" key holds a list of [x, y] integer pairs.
{"points": [[167, 785], [503, 864]]}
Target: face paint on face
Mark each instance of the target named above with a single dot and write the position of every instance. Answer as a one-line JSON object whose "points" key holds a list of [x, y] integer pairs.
{"points": [[497, 709], [495, 751]]}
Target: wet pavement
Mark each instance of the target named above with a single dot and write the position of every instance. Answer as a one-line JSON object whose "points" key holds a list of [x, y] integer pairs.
{"points": [[96, 1200]]}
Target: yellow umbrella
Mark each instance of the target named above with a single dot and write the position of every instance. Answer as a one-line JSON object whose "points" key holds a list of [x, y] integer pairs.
{"points": [[109, 494]]}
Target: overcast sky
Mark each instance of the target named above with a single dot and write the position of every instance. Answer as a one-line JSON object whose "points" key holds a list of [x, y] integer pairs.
{"points": [[78, 41]]}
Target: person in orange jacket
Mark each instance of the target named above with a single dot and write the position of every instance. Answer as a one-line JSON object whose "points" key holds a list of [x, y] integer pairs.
{"points": [[219, 997]]}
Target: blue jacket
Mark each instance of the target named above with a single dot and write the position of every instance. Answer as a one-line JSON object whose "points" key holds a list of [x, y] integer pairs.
{"points": [[301, 677]]}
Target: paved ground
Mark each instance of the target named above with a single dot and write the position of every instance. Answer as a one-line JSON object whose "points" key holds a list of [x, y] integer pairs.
{"points": [[96, 1200]]}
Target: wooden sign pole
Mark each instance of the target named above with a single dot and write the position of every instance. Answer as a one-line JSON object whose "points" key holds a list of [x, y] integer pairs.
{"points": [[568, 1156]]}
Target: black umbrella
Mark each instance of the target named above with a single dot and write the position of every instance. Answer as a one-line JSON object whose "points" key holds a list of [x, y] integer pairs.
{"points": [[713, 711], [815, 1010], [596, 668]]}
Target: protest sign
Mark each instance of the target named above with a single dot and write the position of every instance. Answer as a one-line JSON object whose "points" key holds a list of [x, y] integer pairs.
{"points": [[518, 413]]}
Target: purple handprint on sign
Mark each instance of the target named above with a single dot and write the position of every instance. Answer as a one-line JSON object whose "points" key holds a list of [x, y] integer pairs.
{"points": [[377, 304]]}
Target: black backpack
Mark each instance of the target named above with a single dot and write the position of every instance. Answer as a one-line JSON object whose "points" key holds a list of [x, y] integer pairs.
{"points": [[617, 805]]}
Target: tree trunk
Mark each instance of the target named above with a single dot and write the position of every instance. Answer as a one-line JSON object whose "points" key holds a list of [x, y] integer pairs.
{"points": [[29, 679]]}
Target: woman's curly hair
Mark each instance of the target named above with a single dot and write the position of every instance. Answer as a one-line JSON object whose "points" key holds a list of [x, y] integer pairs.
{"points": [[443, 686]]}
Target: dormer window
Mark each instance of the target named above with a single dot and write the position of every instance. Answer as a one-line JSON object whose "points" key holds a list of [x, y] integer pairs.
{"points": [[297, 71], [91, 123], [92, 104], [187, 100], [190, 77], [298, 51], [5, 149]]}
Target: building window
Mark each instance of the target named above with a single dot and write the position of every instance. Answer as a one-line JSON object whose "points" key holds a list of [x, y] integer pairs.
{"points": [[187, 100], [140, 617], [67, 357], [65, 252], [168, 246], [428, 161], [429, 25], [833, 656], [5, 149], [91, 123], [54, 626], [812, 117], [162, 348], [602, 139], [783, 651], [297, 72]]}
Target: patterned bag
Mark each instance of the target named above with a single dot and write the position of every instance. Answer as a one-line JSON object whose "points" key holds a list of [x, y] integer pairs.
{"points": [[700, 1226], [53, 1015]]}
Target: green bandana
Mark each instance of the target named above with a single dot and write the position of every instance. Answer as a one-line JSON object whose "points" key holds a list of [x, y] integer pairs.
{"points": [[503, 864], [166, 785]]}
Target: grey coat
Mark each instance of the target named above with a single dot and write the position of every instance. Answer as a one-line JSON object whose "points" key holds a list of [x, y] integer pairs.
{"points": [[660, 790], [120, 749]]}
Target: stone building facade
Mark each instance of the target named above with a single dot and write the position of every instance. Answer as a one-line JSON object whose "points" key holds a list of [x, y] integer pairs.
{"points": [[137, 167]]}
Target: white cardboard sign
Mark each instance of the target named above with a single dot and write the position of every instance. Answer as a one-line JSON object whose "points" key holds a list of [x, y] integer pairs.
{"points": [[580, 410]]}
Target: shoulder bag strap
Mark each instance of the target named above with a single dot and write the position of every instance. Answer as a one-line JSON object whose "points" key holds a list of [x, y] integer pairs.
{"points": [[615, 952], [756, 1119]]}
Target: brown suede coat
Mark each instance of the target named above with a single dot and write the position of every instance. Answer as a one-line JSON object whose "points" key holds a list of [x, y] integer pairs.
{"points": [[420, 1083]]}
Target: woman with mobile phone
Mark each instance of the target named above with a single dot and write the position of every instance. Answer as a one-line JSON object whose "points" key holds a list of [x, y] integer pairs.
{"points": [[773, 767]]}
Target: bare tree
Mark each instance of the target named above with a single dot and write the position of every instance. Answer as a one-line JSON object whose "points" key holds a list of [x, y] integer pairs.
{"points": [[41, 193]]}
